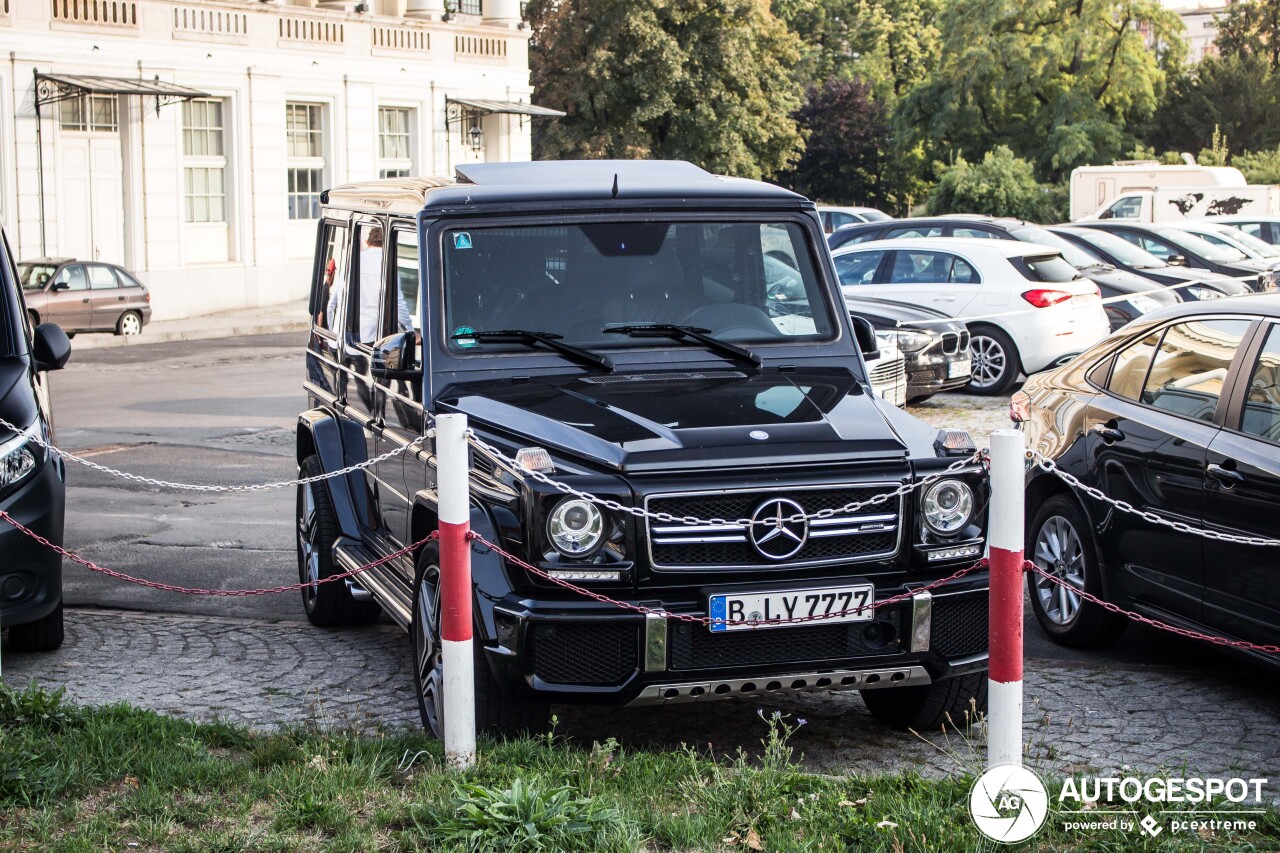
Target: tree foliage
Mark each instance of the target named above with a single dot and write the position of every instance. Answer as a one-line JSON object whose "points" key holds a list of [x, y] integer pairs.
{"points": [[1259, 167], [1251, 29], [1056, 81], [848, 140], [703, 80], [1003, 184]]}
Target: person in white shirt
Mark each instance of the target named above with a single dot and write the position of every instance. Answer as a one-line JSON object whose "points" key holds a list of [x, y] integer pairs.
{"points": [[371, 290]]}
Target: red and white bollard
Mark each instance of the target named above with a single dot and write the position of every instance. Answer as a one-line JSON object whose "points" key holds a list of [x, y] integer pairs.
{"points": [[453, 468], [1004, 676]]}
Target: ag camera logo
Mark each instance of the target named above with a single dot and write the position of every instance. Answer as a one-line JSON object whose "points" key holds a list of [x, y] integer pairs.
{"points": [[1008, 803]]}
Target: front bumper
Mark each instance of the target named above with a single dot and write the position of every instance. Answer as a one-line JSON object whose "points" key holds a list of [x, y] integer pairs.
{"points": [[31, 573], [927, 374], [585, 652]]}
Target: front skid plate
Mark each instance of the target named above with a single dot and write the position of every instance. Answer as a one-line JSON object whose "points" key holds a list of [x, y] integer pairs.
{"points": [[808, 682]]}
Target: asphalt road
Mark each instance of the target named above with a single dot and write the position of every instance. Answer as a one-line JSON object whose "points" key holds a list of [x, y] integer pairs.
{"points": [[223, 411]]}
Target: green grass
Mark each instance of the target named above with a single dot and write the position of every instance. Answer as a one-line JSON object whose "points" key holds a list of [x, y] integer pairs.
{"points": [[117, 778]]}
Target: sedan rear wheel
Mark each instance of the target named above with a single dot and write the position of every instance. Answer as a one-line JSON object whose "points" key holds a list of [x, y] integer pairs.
{"points": [[1061, 546], [130, 323]]}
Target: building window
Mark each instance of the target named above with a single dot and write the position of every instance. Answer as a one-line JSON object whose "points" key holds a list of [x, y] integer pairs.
{"points": [[89, 112], [470, 7], [304, 128], [304, 193], [204, 160], [395, 158]]}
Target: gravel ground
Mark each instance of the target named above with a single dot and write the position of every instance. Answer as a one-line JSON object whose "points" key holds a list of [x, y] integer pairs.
{"points": [[979, 415]]}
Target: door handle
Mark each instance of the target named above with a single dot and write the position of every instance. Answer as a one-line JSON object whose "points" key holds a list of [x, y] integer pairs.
{"points": [[119, 299], [1227, 476], [944, 299], [85, 300], [1108, 433]]}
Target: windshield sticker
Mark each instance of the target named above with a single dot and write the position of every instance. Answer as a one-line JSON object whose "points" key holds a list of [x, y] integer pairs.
{"points": [[458, 335], [462, 240]]}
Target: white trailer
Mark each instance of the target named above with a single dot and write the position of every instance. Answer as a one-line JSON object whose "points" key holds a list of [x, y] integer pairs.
{"points": [[1096, 188], [1173, 204]]}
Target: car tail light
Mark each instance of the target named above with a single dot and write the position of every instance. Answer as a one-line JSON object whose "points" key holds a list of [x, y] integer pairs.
{"points": [[1045, 298]]}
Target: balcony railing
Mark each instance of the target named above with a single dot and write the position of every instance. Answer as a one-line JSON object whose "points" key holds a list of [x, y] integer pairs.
{"points": [[103, 13], [199, 22]]}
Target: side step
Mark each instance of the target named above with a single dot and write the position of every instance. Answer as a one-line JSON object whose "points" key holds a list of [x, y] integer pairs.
{"points": [[371, 584]]}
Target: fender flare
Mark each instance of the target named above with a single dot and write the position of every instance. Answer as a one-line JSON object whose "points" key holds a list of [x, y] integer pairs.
{"points": [[321, 434]]}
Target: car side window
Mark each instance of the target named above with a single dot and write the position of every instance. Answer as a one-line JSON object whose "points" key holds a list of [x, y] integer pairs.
{"points": [[1253, 229], [963, 273], [329, 278], [838, 219], [1129, 207], [1159, 248], [405, 276], [858, 267], [1190, 366], [365, 286], [912, 267], [101, 278], [913, 232], [1261, 416], [972, 233], [1131, 365], [73, 277]]}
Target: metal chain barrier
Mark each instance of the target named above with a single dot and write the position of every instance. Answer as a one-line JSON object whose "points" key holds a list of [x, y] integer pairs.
{"points": [[1049, 465], [708, 620], [208, 487], [640, 512], [1154, 623], [121, 576]]}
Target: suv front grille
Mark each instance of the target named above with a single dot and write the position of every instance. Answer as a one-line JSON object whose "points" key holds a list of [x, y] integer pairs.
{"points": [[866, 534], [585, 653], [695, 647], [960, 624]]}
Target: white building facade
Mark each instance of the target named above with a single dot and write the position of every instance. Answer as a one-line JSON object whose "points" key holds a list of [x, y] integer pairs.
{"points": [[189, 141]]}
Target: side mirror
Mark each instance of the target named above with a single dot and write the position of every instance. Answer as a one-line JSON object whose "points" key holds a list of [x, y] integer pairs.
{"points": [[51, 347], [394, 357], [60, 285], [1176, 260], [866, 336]]}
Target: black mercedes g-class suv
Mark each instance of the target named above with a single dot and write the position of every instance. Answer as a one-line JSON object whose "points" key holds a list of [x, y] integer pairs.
{"points": [[608, 325]]}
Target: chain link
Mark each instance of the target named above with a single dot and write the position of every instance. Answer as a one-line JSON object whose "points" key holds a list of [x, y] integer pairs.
{"points": [[185, 590], [1051, 466], [1154, 623], [641, 512], [709, 620], [209, 487]]}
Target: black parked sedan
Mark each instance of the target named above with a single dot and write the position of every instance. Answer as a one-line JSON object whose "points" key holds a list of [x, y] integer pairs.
{"points": [[1177, 414], [1177, 247], [1192, 284], [934, 346]]}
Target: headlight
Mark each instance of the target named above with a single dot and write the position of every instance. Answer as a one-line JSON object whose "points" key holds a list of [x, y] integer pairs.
{"points": [[947, 506], [910, 341], [16, 458], [1143, 304], [1203, 293], [576, 527]]}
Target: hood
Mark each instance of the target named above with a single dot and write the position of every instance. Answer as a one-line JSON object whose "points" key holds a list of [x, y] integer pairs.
{"points": [[888, 314], [694, 419]]}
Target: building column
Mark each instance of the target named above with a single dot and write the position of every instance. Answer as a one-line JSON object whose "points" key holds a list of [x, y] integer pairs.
{"points": [[431, 10], [503, 12]]}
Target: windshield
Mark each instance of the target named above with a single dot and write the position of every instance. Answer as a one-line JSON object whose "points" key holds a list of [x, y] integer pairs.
{"points": [[1121, 249], [1260, 247], [1075, 255], [741, 281], [34, 276], [1192, 243]]}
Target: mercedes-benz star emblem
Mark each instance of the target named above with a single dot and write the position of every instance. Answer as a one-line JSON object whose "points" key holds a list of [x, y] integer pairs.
{"points": [[774, 534]]}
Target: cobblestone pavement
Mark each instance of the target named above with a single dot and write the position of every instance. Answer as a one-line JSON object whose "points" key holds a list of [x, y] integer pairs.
{"points": [[1080, 718]]}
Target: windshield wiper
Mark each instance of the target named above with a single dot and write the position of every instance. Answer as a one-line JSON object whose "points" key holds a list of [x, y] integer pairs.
{"points": [[682, 333], [550, 340]]}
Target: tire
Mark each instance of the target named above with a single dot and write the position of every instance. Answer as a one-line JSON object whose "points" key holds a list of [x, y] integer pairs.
{"points": [[129, 324], [996, 363], [329, 604], [42, 635], [1059, 541], [955, 702], [496, 713], [35, 318]]}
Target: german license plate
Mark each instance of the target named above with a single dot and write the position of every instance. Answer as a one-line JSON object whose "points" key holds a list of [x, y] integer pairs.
{"points": [[959, 367], [740, 611]]}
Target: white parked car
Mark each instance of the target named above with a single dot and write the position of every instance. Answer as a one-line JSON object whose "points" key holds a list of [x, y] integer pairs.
{"points": [[1027, 308], [838, 217], [1265, 228], [1226, 235]]}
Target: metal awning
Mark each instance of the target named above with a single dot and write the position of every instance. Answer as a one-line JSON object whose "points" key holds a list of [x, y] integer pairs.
{"points": [[52, 88], [456, 107]]}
